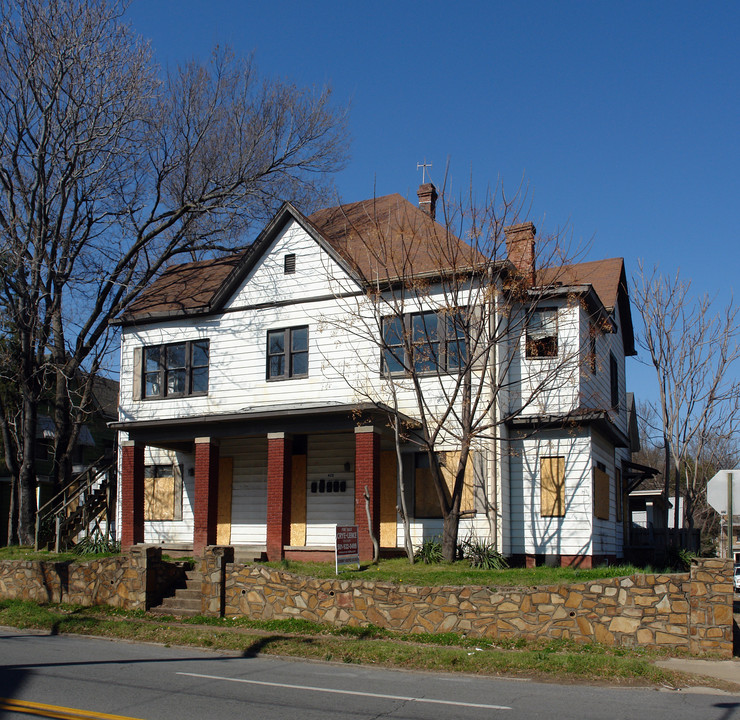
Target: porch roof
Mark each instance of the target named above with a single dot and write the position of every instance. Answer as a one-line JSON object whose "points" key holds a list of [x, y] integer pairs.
{"points": [[296, 418]]}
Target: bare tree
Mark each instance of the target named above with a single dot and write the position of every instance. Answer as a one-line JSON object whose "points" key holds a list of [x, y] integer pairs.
{"points": [[440, 330], [108, 172], [694, 351]]}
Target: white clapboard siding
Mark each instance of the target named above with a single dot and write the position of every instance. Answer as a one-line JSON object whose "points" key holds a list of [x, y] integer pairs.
{"points": [[547, 385], [529, 531], [316, 273], [431, 529], [596, 386], [327, 455], [249, 489]]}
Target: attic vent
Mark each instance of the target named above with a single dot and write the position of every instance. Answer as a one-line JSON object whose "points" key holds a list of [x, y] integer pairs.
{"points": [[289, 264]]}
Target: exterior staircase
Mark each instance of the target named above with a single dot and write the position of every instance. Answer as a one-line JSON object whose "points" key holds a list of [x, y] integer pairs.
{"points": [[184, 602], [83, 508]]}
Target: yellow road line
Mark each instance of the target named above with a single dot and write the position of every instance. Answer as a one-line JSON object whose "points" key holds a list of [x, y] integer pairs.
{"points": [[56, 711]]}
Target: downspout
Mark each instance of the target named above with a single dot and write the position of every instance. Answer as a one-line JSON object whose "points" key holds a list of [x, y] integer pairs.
{"points": [[493, 520]]}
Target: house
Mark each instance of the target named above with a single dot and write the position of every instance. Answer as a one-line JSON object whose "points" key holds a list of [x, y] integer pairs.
{"points": [[255, 400]]}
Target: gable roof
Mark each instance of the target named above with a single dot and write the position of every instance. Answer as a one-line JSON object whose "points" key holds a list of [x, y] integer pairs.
{"points": [[609, 281], [385, 238]]}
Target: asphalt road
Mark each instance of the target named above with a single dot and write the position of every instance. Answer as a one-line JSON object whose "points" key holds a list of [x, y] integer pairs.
{"points": [[46, 676]]}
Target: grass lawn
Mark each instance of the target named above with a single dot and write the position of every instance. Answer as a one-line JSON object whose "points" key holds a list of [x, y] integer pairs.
{"points": [[398, 570], [445, 652], [14, 552]]}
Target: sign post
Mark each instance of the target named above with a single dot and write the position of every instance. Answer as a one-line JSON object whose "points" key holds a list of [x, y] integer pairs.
{"points": [[722, 493], [347, 546]]}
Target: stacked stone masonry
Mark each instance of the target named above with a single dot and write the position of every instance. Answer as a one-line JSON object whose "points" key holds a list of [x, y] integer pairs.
{"points": [[691, 612], [135, 581]]}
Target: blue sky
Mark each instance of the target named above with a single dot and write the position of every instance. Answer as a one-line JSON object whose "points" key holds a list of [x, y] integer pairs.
{"points": [[622, 117]]}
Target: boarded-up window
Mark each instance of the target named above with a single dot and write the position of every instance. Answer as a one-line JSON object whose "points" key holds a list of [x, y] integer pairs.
{"points": [[426, 500], [449, 462], [601, 494], [552, 486], [162, 492]]}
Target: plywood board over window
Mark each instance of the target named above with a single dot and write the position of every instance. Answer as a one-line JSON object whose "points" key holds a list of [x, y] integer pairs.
{"points": [[299, 475], [225, 488], [426, 500], [601, 494], [388, 493], [552, 486], [162, 492], [449, 462]]}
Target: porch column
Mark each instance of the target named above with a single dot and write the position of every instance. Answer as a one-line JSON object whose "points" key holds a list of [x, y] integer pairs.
{"points": [[132, 494], [367, 475], [279, 482], [205, 502]]}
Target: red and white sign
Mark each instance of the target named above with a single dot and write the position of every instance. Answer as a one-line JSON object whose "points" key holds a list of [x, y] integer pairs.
{"points": [[347, 546]]}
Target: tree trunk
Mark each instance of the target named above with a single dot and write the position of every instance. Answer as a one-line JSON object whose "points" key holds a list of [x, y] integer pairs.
{"points": [[450, 528], [27, 478], [13, 512]]}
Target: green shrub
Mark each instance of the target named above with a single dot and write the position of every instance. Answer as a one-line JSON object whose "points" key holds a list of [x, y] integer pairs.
{"points": [[429, 552], [482, 555], [96, 544]]}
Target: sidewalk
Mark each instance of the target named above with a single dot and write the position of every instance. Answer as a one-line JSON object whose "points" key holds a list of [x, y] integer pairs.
{"points": [[725, 670]]}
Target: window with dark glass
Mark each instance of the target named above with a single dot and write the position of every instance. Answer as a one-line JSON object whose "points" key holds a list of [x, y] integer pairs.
{"points": [[592, 332], [424, 342], [542, 333], [176, 370], [287, 353], [614, 381]]}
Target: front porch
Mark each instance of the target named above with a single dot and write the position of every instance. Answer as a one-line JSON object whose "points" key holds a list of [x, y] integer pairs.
{"points": [[272, 485]]}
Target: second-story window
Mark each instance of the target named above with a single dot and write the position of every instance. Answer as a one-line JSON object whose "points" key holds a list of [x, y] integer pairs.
{"points": [[614, 381], [176, 370], [287, 353], [423, 342], [542, 333], [592, 333]]}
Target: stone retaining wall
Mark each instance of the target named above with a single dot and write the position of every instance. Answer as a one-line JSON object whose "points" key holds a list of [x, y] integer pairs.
{"points": [[691, 611], [132, 581]]}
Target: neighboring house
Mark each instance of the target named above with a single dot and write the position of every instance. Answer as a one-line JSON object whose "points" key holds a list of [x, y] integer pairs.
{"points": [[96, 443], [245, 410]]}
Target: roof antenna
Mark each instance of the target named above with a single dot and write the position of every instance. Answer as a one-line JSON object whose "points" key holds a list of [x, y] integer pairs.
{"points": [[423, 167]]}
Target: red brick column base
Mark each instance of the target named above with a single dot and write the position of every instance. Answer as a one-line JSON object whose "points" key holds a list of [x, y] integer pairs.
{"points": [[132, 494], [279, 483], [367, 475], [205, 502]]}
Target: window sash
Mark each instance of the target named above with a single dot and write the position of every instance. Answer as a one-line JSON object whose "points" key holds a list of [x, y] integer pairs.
{"points": [[287, 353], [424, 342], [542, 333], [176, 369]]}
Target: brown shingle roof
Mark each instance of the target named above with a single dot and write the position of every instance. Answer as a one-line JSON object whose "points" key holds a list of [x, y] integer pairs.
{"points": [[609, 281], [183, 288], [388, 237], [603, 275]]}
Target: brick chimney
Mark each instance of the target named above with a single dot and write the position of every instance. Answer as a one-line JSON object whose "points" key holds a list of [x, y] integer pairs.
{"points": [[427, 199], [520, 248]]}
